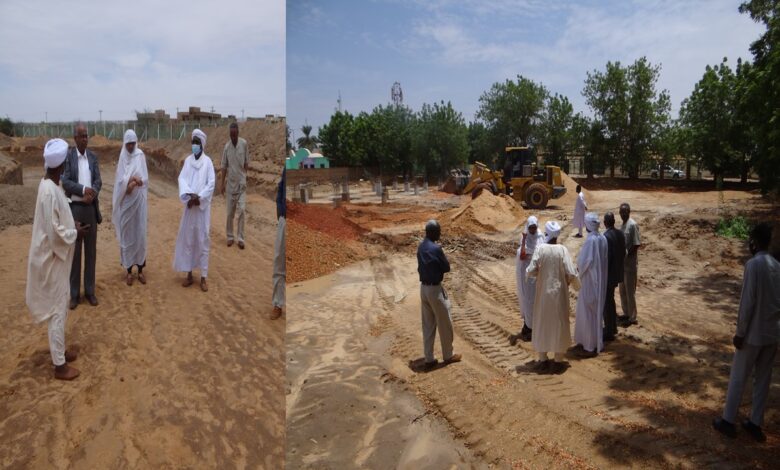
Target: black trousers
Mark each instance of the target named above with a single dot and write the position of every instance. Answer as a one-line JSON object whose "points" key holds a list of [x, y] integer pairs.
{"points": [[87, 215], [610, 312]]}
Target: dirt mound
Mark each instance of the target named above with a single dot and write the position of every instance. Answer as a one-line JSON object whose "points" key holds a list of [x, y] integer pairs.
{"points": [[485, 213], [10, 170], [17, 205], [570, 198], [266, 151], [312, 253], [101, 141], [326, 220], [5, 141]]}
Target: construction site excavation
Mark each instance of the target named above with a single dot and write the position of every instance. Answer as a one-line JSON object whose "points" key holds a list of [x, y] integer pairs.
{"points": [[647, 401]]}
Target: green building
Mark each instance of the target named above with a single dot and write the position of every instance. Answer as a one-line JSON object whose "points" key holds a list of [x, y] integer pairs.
{"points": [[303, 158]]}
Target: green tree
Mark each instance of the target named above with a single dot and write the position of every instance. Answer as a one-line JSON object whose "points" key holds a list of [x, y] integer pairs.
{"points": [[338, 141], [597, 146], [289, 142], [633, 112], [512, 111], [479, 144], [763, 91], [383, 139], [648, 114], [556, 129], [607, 95], [709, 114], [440, 139], [307, 141]]}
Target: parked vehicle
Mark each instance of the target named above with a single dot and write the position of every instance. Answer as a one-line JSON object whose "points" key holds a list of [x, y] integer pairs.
{"points": [[669, 172]]}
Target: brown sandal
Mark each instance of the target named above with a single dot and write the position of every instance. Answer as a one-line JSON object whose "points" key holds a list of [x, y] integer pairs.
{"points": [[187, 282], [203, 286], [141, 278], [129, 279]]}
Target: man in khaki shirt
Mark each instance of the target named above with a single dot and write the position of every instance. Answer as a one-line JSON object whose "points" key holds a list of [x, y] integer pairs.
{"points": [[235, 163]]}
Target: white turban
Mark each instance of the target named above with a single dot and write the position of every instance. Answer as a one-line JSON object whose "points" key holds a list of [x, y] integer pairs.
{"points": [[552, 230], [532, 220], [54, 153], [592, 221], [130, 137], [202, 136]]}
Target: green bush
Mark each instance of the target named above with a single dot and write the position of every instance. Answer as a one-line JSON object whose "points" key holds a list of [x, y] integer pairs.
{"points": [[733, 227]]}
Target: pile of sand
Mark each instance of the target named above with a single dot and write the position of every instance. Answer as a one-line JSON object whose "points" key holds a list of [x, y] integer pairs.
{"points": [[99, 141], [266, 142], [312, 253], [570, 198], [486, 213], [17, 205], [325, 219], [6, 142], [10, 170]]}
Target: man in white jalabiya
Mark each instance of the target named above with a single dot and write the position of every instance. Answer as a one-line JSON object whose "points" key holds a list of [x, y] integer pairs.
{"points": [[130, 206], [196, 186], [526, 286], [554, 271], [579, 212], [54, 233], [592, 267]]}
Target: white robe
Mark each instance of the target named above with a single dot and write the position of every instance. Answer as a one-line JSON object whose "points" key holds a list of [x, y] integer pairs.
{"points": [[51, 253], [526, 286], [192, 243], [592, 266], [130, 210], [554, 271], [579, 211]]}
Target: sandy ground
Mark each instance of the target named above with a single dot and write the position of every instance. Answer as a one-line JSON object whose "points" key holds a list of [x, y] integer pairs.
{"points": [[355, 399], [170, 377]]}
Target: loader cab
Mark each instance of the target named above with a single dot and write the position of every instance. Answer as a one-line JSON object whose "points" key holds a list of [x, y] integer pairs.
{"points": [[523, 163]]}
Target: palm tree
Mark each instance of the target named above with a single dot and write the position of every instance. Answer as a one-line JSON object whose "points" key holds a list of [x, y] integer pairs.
{"points": [[307, 141]]}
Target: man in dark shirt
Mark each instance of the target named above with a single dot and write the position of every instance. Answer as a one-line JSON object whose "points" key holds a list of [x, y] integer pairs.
{"points": [[616, 249], [432, 264], [280, 267]]}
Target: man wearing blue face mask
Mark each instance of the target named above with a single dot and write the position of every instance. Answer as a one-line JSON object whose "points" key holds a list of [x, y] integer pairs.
{"points": [[196, 186]]}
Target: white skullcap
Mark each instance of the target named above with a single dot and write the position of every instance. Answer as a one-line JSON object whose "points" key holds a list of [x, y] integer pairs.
{"points": [[532, 220], [54, 153], [592, 221], [130, 137], [552, 230], [202, 136]]}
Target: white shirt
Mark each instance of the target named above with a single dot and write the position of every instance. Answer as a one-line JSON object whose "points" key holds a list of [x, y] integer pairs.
{"points": [[85, 176]]}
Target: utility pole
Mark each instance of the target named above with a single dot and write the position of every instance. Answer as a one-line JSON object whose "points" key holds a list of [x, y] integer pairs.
{"points": [[46, 119], [101, 115], [242, 114]]}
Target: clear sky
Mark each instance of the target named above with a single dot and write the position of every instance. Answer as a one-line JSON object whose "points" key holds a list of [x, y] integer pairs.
{"points": [[71, 59], [454, 50]]}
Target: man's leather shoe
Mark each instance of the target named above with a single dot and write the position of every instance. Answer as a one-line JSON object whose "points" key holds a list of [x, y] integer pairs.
{"points": [[92, 300], [74, 303]]}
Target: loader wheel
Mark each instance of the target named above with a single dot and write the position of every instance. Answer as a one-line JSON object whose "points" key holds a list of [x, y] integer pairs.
{"points": [[536, 196]]}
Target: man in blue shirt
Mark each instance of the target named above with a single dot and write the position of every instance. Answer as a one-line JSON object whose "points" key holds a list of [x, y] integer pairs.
{"points": [[432, 264]]}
